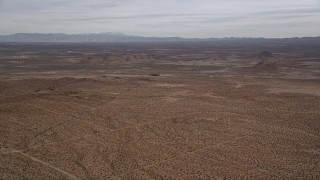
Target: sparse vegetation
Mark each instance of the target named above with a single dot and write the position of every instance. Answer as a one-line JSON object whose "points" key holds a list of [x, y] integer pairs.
{"points": [[208, 116], [154, 74]]}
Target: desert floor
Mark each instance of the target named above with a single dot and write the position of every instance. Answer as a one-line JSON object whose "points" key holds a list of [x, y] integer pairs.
{"points": [[168, 112]]}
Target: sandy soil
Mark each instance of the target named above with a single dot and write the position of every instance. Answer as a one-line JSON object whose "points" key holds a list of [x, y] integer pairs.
{"points": [[91, 124]]}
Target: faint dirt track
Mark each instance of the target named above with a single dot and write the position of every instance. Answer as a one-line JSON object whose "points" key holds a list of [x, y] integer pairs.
{"points": [[135, 129], [159, 111]]}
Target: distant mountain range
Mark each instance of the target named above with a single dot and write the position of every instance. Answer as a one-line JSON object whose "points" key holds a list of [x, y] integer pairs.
{"points": [[119, 37], [101, 37]]}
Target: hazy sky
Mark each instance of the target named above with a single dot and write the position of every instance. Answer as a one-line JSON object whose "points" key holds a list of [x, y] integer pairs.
{"points": [[185, 18]]}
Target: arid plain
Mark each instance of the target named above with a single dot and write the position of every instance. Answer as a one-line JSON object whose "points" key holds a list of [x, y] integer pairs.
{"points": [[192, 110]]}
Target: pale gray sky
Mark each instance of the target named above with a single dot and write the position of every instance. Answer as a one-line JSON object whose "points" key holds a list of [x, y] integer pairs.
{"points": [[185, 18]]}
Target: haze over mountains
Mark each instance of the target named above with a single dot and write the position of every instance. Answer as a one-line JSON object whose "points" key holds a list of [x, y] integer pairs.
{"points": [[119, 37], [100, 37]]}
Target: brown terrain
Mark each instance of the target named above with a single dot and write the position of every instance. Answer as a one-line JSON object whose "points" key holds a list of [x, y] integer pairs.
{"points": [[159, 111]]}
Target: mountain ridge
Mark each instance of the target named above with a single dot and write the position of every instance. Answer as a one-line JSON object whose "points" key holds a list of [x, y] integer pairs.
{"points": [[120, 37]]}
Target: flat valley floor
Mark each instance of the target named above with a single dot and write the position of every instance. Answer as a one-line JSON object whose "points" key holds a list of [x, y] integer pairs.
{"points": [[159, 111]]}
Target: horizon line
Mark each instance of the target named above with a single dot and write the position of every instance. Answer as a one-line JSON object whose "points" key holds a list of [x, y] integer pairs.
{"points": [[226, 37]]}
